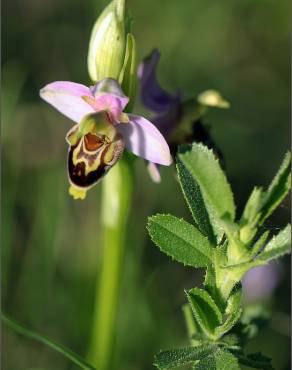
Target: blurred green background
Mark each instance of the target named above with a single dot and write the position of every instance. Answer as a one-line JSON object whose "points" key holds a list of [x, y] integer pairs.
{"points": [[51, 243]]}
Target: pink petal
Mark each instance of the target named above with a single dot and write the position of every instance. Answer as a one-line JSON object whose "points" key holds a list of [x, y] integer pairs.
{"points": [[66, 97], [143, 139]]}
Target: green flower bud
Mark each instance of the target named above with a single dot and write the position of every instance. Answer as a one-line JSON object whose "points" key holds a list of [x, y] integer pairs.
{"points": [[108, 43]]}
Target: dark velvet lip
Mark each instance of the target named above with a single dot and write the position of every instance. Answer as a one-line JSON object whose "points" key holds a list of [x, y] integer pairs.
{"points": [[77, 173]]}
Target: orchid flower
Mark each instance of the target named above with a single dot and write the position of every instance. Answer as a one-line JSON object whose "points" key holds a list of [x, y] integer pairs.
{"points": [[102, 131]]}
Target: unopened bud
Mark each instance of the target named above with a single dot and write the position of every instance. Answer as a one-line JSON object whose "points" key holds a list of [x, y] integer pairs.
{"points": [[108, 43]]}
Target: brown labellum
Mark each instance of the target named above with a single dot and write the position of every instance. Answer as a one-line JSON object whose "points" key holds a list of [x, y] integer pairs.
{"points": [[91, 158]]}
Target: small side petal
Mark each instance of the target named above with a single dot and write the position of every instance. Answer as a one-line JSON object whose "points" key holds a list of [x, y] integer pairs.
{"points": [[66, 97], [108, 90], [110, 104], [143, 139]]}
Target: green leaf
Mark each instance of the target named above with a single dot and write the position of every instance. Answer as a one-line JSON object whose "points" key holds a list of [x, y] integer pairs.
{"points": [[236, 248], [277, 246], [262, 203], [180, 240], [210, 280], [219, 360], [256, 361], [278, 189], [253, 206], [205, 310], [182, 356], [215, 189], [259, 243], [231, 340], [251, 216], [195, 201], [128, 74], [233, 313], [76, 359]]}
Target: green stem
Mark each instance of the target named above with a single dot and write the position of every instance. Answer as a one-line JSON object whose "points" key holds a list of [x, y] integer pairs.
{"points": [[77, 360], [116, 200], [228, 281]]}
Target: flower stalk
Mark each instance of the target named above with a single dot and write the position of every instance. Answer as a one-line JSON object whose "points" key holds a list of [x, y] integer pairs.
{"points": [[117, 189]]}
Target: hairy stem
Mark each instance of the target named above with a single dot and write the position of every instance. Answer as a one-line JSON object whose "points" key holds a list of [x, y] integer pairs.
{"points": [[117, 189]]}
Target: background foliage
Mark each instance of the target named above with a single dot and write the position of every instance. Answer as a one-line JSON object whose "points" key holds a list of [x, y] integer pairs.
{"points": [[50, 243]]}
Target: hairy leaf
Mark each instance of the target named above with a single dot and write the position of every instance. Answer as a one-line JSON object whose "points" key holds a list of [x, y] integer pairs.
{"points": [[233, 313], [259, 243], [182, 356], [231, 340], [205, 310], [210, 280], [278, 246], [262, 203], [216, 191], [256, 361], [253, 206], [218, 360], [195, 201], [180, 240], [278, 189]]}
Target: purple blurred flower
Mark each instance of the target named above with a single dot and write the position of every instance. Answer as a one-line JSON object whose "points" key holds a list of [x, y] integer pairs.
{"points": [[260, 282], [166, 106], [102, 130], [177, 120], [156, 99]]}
